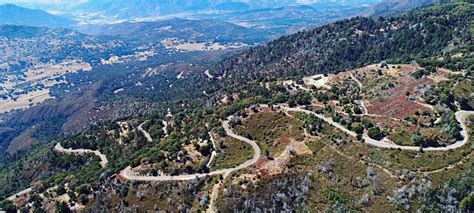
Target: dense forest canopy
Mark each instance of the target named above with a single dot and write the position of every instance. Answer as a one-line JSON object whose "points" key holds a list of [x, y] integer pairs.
{"points": [[441, 30]]}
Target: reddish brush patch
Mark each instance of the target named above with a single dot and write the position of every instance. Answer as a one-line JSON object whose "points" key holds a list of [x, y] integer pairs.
{"points": [[396, 106], [385, 122], [20, 201], [292, 113], [283, 139], [409, 84], [263, 172], [261, 161], [259, 166], [394, 102]]}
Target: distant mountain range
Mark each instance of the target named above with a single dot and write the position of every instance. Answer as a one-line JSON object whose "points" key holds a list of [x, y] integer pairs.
{"points": [[15, 15], [388, 7], [264, 17], [146, 8], [196, 30]]}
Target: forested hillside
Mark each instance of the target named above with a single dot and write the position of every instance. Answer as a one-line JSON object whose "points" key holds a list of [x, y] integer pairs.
{"points": [[24, 46], [436, 31]]}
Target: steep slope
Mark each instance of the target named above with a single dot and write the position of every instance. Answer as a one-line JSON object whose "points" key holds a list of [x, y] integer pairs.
{"points": [[12, 14], [354, 43]]}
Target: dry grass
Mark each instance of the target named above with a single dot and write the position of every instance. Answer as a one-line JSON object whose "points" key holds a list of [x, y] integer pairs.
{"points": [[234, 153], [266, 127]]}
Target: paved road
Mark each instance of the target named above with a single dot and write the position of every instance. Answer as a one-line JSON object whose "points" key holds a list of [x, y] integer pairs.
{"points": [[103, 158], [127, 173], [461, 117]]}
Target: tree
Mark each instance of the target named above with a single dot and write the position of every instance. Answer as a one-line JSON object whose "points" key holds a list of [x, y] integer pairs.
{"points": [[220, 131], [83, 199], [83, 189], [467, 203], [62, 208], [7, 206], [322, 97], [367, 124], [375, 133], [291, 102], [303, 98], [357, 110], [60, 190], [359, 129], [248, 135], [417, 139], [205, 150]]}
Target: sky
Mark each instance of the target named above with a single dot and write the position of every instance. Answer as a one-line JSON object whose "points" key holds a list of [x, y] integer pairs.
{"points": [[43, 1], [64, 2]]}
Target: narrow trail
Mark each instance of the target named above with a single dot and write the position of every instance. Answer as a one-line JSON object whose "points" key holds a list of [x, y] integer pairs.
{"points": [[214, 152], [213, 198], [165, 128], [214, 194], [128, 173], [452, 166], [362, 103], [356, 80], [145, 133], [388, 172], [103, 158]]}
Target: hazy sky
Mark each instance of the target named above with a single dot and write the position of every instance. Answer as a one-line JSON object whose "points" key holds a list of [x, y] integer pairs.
{"points": [[63, 2], [43, 1]]}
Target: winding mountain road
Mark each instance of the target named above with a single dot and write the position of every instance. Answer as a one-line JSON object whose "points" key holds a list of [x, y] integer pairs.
{"points": [[128, 173], [461, 117], [103, 158]]}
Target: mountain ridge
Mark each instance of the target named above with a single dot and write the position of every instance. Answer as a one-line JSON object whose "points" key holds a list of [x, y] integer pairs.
{"points": [[16, 15], [199, 30], [308, 52]]}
